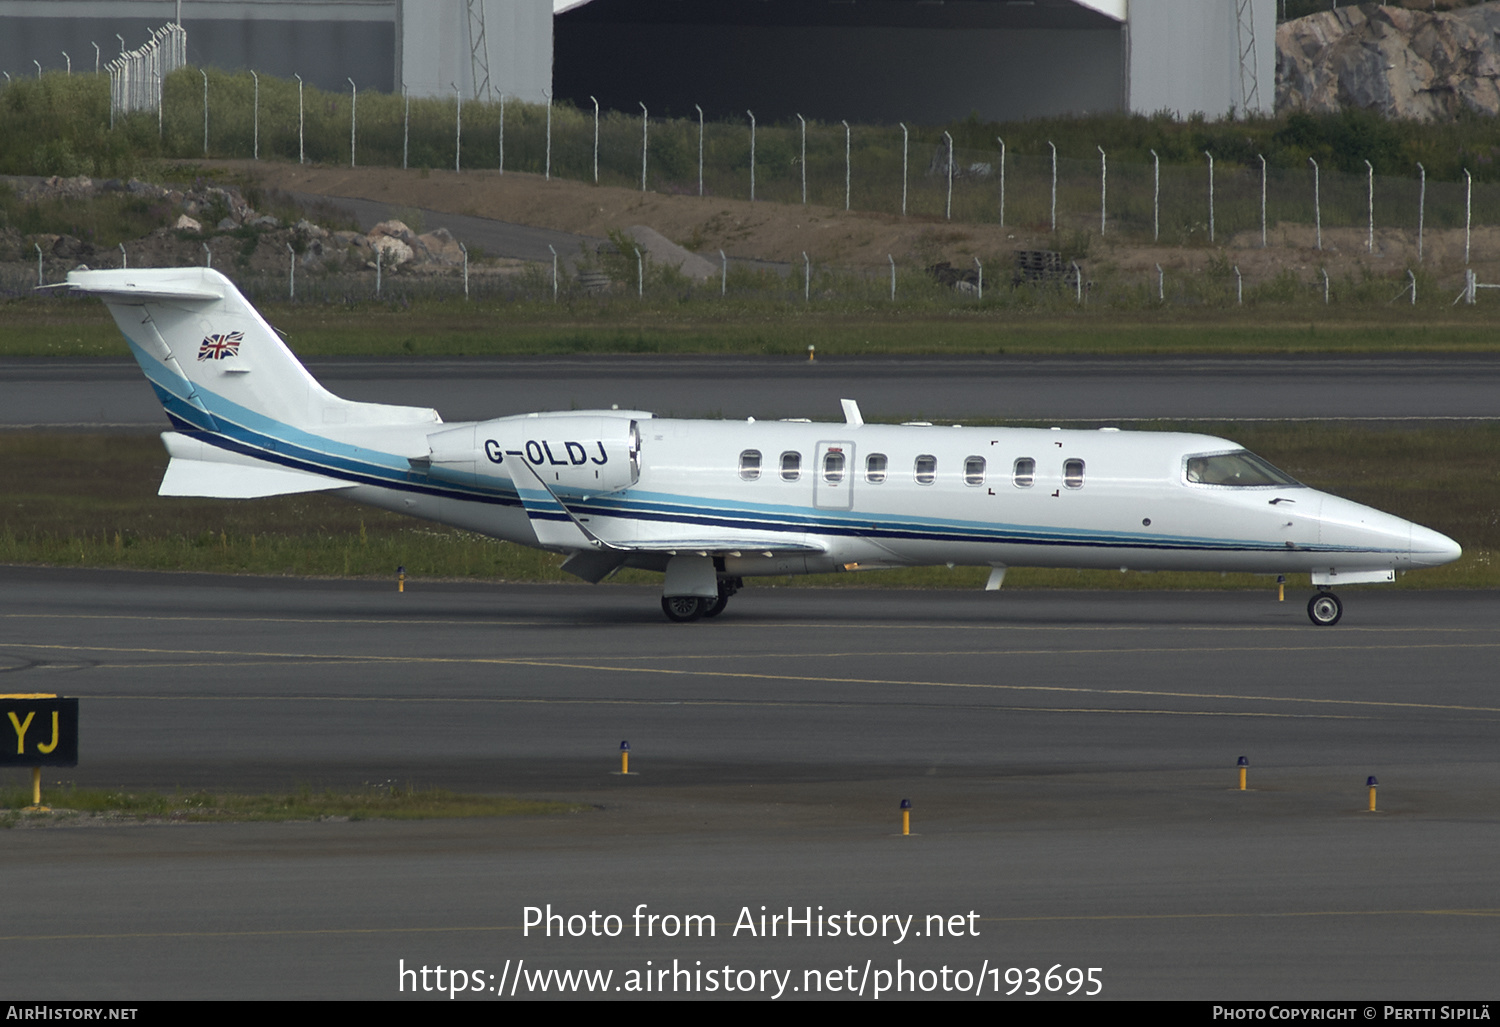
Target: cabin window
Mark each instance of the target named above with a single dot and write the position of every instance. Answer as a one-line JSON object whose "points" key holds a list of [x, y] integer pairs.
{"points": [[833, 466], [791, 466], [1023, 475], [875, 465], [1242, 469], [974, 470], [1073, 474], [925, 469], [750, 464]]}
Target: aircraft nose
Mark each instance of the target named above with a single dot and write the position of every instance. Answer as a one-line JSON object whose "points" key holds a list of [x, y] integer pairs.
{"points": [[1431, 548]]}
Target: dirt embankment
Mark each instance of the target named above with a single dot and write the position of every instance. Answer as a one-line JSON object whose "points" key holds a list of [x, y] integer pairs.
{"points": [[781, 232]]}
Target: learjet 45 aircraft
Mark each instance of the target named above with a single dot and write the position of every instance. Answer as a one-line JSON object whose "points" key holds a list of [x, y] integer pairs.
{"points": [[709, 503]]}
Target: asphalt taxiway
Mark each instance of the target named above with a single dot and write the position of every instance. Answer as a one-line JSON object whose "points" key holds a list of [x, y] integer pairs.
{"points": [[1069, 758], [38, 393]]}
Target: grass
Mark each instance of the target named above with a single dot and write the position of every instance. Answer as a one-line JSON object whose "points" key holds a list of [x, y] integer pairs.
{"points": [[373, 802], [927, 322], [89, 500]]}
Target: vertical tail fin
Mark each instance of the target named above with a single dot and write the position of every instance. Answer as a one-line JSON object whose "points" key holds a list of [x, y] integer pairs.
{"points": [[212, 358]]}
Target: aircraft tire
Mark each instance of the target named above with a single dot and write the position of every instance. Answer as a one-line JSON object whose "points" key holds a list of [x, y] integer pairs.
{"points": [[714, 607], [1325, 609], [682, 609]]}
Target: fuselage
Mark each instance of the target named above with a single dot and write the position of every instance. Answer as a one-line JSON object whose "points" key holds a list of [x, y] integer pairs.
{"points": [[900, 495]]}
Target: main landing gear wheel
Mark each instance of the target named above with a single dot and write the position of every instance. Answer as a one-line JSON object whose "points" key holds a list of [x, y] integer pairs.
{"points": [[684, 608], [1325, 609]]}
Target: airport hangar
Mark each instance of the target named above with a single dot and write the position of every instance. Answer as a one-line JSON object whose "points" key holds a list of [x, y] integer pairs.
{"points": [[920, 61]]}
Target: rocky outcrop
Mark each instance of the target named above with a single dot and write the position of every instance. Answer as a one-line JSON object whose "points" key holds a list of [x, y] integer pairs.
{"points": [[397, 245], [1422, 65]]}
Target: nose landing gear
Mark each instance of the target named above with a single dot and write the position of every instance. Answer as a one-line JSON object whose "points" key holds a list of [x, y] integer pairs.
{"points": [[1325, 609]]}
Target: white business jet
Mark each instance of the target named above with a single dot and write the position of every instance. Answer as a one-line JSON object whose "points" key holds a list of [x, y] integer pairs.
{"points": [[709, 503]]}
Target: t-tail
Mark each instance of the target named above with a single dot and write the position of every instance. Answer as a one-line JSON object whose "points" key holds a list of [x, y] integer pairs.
{"points": [[251, 421]]}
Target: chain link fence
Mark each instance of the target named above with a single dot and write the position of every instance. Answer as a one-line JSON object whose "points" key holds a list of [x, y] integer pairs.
{"points": [[888, 169]]}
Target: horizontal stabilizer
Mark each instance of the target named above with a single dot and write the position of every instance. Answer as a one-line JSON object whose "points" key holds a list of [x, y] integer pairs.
{"points": [[185, 284], [231, 481]]}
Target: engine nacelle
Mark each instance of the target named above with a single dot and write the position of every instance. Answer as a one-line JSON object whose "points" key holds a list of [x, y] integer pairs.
{"points": [[573, 452]]}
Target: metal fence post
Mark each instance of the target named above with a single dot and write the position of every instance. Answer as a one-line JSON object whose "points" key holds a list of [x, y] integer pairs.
{"points": [[255, 147], [980, 269], [1161, 285], [291, 273], [948, 209], [353, 123], [803, 122], [1421, 209], [1103, 187], [1054, 185], [1155, 197], [205, 110], [208, 256], [502, 133], [1317, 203], [596, 150], [554, 272], [640, 274], [124, 259], [96, 56], [1262, 201], [547, 167], [700, 149], [41, 279], [1002, 180], [1468, 211], [806, 278], [1210, 195], [405, 125], [905, 138], [458, 129], [645, 118], [1239, 287], [1325, 285], [1370, 190], [848, 178], [379, 255], [301, 152], [723, 274], [752, 155], [893, 276], [465, 250]]}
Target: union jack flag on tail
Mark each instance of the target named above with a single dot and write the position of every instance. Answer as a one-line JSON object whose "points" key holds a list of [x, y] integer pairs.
{"points": [[217, 347]]}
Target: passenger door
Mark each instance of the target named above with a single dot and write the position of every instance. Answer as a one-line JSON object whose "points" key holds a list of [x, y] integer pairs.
{"points": [[833, 482]]}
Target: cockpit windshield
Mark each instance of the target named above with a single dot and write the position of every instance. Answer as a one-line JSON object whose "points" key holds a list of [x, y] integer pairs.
{"points": [[1241, 468]]}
